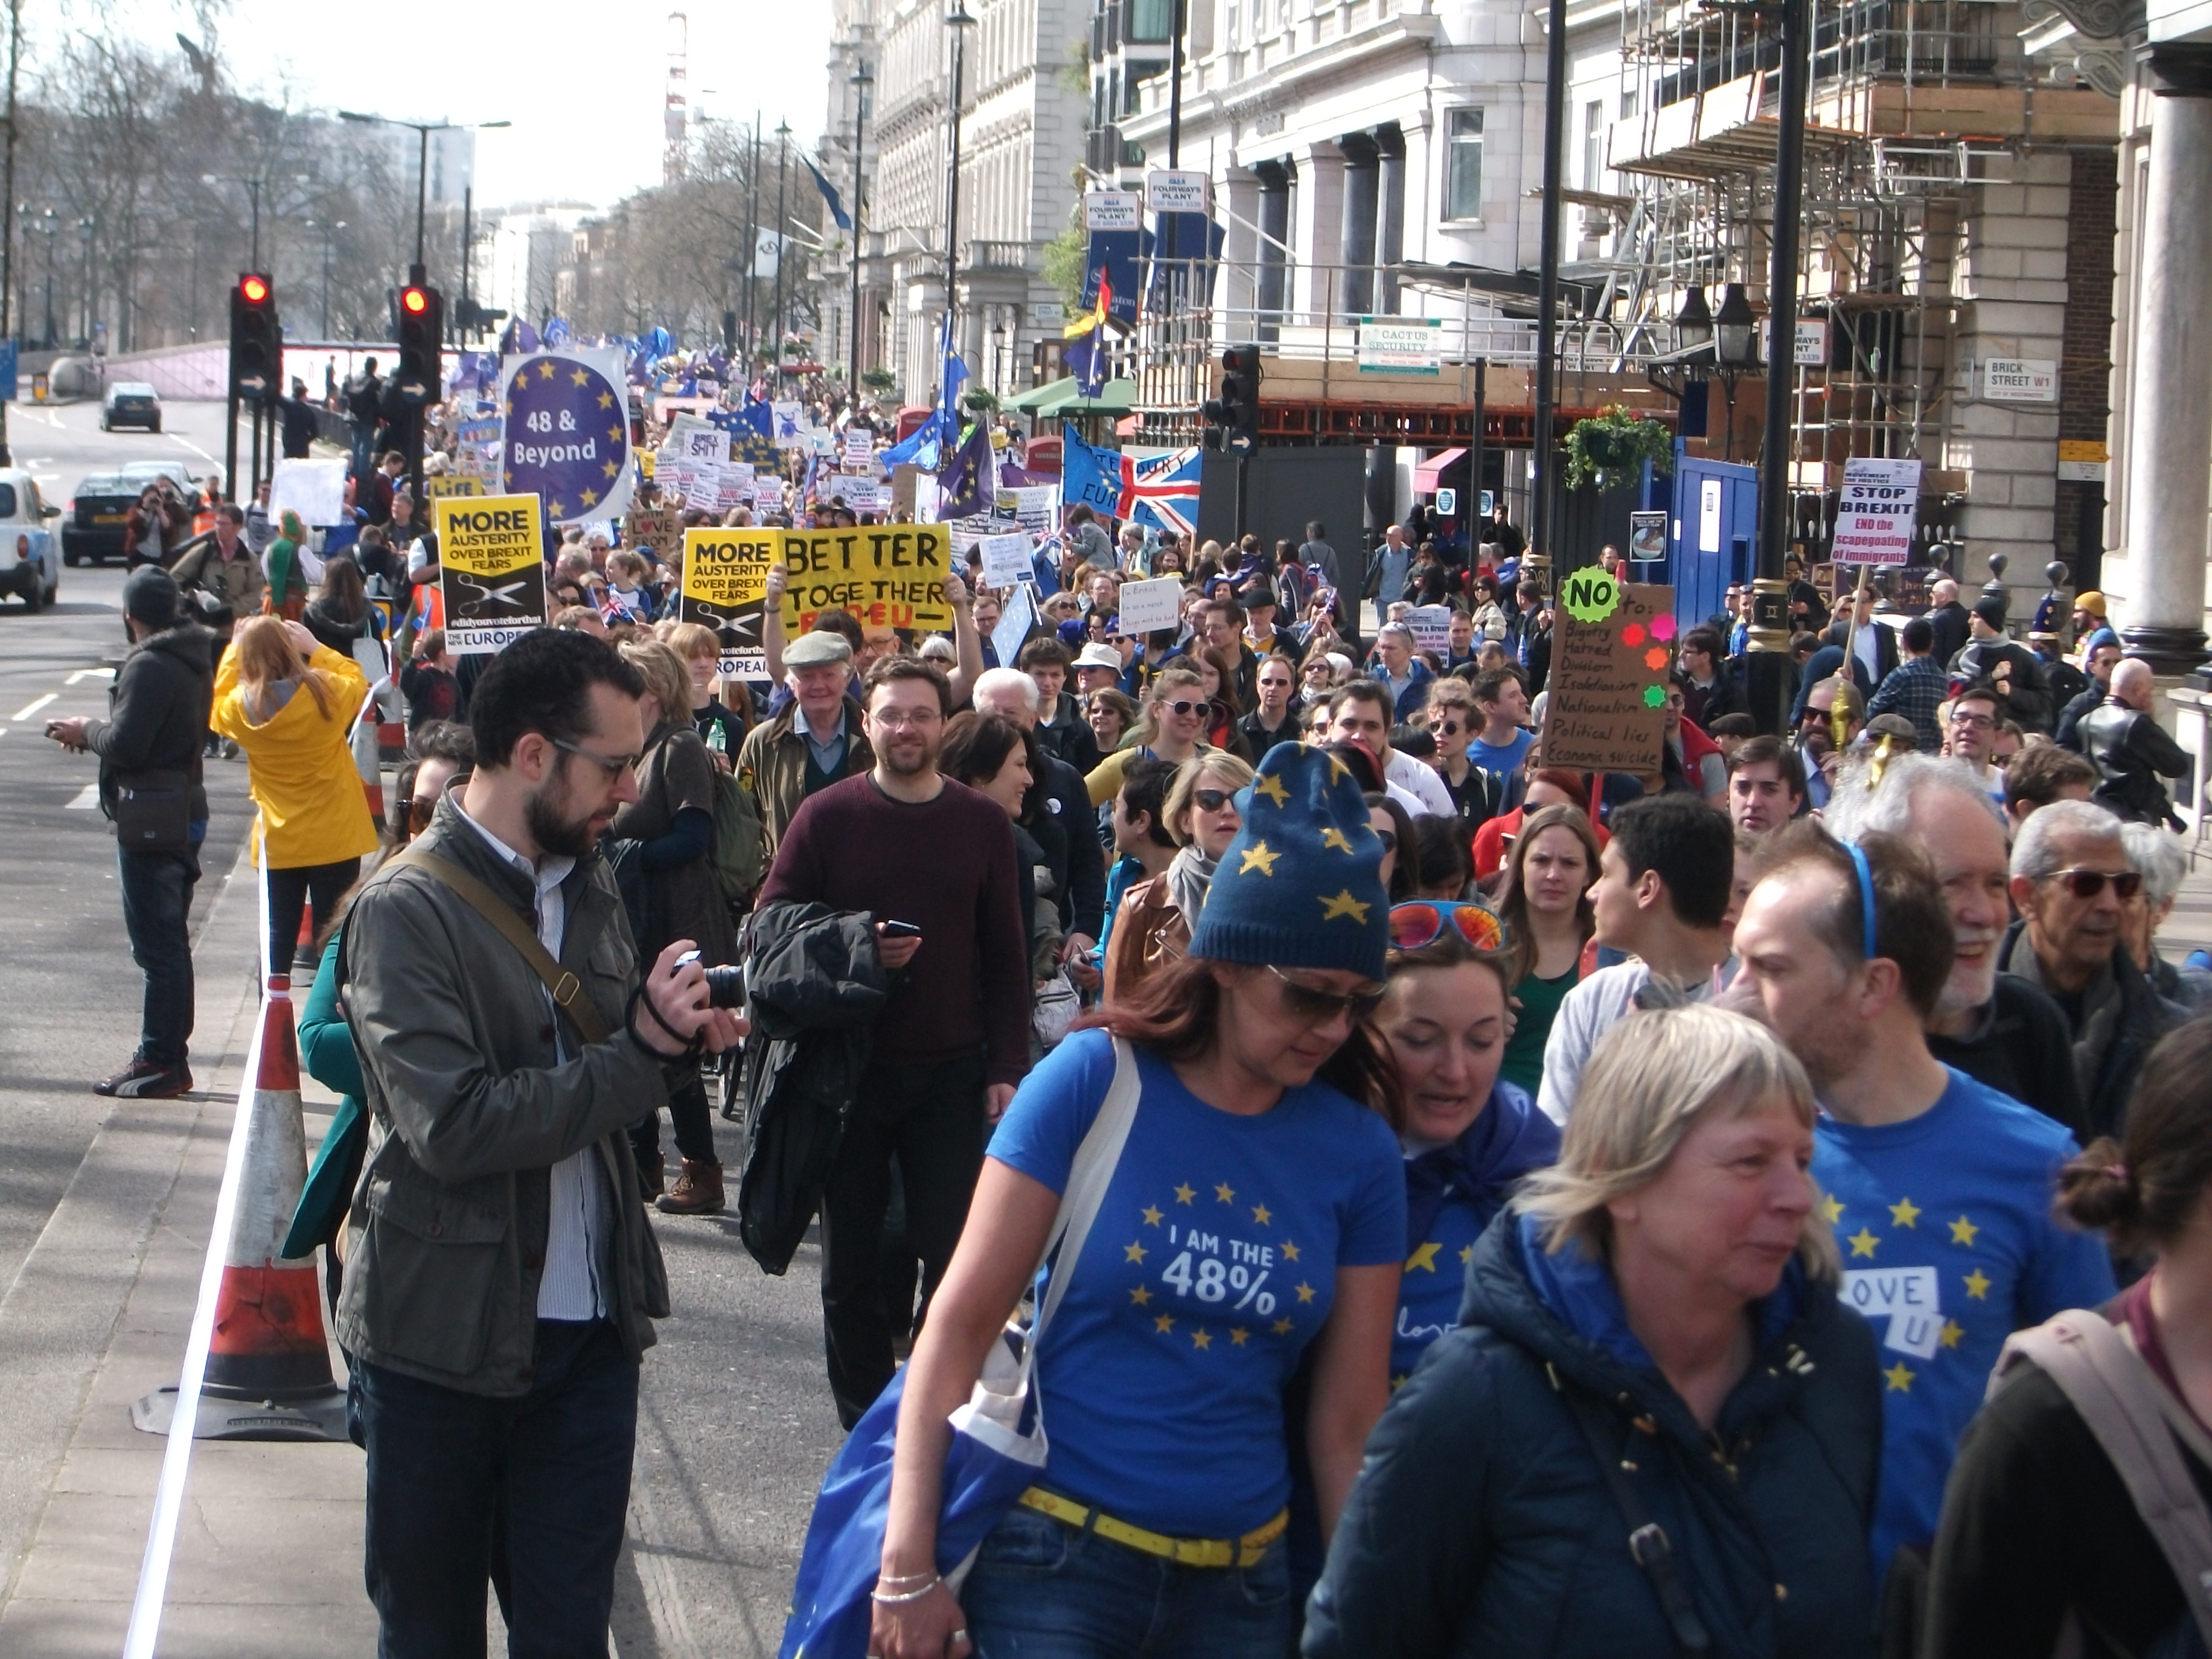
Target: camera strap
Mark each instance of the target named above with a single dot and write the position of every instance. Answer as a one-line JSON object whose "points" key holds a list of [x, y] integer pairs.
{"points": [[563, 986]]}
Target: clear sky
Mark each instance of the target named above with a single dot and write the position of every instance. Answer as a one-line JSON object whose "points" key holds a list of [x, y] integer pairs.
{"points": [[583, 80]]}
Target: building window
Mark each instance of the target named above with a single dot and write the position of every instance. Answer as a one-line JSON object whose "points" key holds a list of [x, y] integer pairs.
{"points": [[1593, 145], [1149, 22], [1463, 166]]}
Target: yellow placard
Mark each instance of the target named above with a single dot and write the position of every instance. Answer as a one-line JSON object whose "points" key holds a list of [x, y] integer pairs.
{"points": [[886, 575], [2083, 449], [451, 483], [725, 587], [490, 550]]}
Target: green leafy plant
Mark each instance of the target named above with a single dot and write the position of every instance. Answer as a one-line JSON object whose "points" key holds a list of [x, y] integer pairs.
{"points": [[1066, 263], [878, 380], [1608, 449]]}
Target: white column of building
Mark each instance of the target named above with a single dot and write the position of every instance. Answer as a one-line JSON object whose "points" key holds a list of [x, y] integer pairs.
{"points": [[2170, 424], [1319, 205]]}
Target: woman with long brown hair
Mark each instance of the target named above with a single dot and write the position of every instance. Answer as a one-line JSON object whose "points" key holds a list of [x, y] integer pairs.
{"points": [[288, 701], [1254, 1219], [1154, 925], [1172, 728], [1549, 917]]}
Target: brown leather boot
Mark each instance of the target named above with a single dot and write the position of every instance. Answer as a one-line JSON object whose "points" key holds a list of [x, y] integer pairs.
{"points": [[697, 1191]]}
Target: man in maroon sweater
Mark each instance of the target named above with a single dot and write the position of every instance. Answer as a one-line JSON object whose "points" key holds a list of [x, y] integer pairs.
{"points": [[910, 846]]}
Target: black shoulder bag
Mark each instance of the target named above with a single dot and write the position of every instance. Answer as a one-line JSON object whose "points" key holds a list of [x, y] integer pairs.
{"points": [[1647, 1544]]}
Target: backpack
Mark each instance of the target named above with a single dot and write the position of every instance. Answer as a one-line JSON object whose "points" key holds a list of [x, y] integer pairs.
{"points": [[734, 854]]}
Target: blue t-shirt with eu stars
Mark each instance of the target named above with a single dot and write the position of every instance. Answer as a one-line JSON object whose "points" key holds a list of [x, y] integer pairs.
{"points": [[1949, 1246], [1210, 1268]]}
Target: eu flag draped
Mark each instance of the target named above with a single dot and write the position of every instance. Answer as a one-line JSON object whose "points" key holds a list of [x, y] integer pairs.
{"points": [[1161, 491], [829, 195]]}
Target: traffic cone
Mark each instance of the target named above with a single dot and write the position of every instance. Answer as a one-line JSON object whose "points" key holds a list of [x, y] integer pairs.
{"points": [[268, 1365]]}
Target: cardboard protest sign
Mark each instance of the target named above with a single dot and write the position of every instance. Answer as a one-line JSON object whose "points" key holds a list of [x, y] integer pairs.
{"points": [[661, 528], [1612, 645], [1149, 606], [1006, 559], [725, 587], [887, 575], [494, 570], [454, 483], [1875, 512]]}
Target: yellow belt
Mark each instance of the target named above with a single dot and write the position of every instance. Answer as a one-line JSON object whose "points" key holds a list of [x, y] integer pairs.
{"points": [[1184, 1551]]}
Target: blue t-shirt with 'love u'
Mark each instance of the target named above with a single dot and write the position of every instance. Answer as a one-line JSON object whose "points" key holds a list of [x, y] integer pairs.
{"points": [[1212, 1264], [1949, 1246]]}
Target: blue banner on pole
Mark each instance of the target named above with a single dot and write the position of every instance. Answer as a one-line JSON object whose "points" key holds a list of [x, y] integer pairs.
{"points": [[1115, 253]]}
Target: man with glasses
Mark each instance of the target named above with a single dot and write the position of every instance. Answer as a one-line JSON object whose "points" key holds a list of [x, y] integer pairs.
{"points": [[2071, 882], [1971, 729], [1275, 718], [933, 861], [502, 1283], [1816, 734], [1478, 794]]}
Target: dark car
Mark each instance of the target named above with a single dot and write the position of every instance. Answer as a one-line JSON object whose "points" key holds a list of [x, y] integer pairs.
{"points": [[91, 524], [130, 403]]}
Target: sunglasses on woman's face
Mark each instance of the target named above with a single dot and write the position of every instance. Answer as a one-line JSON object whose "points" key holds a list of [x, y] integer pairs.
{"points": [[1311, 1006], [1421, 922], [1182, 708], [1444, 728], [1212, 800]]}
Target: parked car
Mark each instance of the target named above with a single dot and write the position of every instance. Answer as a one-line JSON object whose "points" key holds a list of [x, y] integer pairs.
{"points": [[30, 562], [130, 403], [93, 523]]}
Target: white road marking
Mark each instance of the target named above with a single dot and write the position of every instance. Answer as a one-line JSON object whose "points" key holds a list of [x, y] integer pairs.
{"points": [[31, 708], [175, 437], [86, 799], [90, 674]]}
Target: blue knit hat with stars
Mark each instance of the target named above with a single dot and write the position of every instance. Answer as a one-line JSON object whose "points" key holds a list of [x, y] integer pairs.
{"points": [[1301, 886]]}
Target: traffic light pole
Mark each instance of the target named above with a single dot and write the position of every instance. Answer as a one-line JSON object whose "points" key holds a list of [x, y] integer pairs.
{"points": [[230, 448]]}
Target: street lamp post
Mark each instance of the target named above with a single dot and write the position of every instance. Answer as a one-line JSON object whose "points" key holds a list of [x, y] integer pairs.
{"points": [[1547, 278], [47, 224], [862, 80], [328, 228], [84, 230], [417, 272], [959, 21], [783, 246]]}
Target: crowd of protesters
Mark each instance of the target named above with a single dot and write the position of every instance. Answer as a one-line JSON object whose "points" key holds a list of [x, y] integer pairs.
{"points": [[1546, 1213]]}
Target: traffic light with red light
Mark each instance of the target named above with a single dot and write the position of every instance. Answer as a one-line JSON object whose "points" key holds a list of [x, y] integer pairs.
{"points": [[1236, 411], [421, 337], [257, 339]]}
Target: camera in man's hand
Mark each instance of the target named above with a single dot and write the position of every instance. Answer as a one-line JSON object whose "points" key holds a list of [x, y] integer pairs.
{"points": [[725, 985]]}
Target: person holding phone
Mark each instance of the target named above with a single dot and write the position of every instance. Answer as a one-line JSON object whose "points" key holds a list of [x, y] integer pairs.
{"points": [[909, 845]]}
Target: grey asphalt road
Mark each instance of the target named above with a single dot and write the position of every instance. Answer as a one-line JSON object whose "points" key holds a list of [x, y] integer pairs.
{"points": [[736, 1424]]}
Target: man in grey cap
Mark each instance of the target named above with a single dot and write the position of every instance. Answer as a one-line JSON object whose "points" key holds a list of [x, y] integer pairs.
{"points": [[817, 738], [150, 745]]}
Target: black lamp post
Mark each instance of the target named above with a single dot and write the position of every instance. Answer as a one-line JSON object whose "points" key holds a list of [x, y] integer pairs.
{"points": [[417, 272], [959, 21], [782, 242]]}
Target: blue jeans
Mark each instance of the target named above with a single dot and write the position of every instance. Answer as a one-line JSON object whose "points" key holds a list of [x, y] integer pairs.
{"points": [[529, 1493], [1041, 1590], [157, 903]]}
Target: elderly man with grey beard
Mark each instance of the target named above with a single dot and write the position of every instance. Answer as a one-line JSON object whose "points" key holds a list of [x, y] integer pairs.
{"points": [[1997, 1028]]}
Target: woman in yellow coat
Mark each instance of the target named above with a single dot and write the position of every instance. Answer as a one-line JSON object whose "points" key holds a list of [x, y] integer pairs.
{"points": [[288, 701]]}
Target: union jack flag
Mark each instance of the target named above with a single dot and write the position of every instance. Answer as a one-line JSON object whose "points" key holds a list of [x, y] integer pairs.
{"points": [[1160, 490]]}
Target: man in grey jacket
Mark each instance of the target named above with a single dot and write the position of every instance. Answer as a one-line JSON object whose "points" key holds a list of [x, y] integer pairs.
{"points": [[500, 1280]]}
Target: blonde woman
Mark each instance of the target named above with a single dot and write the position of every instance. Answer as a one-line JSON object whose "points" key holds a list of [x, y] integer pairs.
{"points": [[289, 702], [1153, 926], [1652, 1337], [1173, 729]]}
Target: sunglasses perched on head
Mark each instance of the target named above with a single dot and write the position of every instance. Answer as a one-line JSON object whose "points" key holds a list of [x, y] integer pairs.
{"points": [[1419, 923], [2087, 884]]}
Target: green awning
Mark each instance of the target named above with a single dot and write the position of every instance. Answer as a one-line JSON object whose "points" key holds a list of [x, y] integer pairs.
{"points": [[1063, 397]]}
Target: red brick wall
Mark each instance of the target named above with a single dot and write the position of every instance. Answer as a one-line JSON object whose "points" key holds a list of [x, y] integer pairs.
{"points": [[2084, 374]]}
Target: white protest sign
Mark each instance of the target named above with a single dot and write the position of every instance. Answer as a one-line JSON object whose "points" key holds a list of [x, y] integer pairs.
{"points": [[313, 490], [1431, 626], [711, 445], [768, 495], [1875, 513], [860, 450], [861, 494], [1006, 559], [1015, 618], [1149, 606]]}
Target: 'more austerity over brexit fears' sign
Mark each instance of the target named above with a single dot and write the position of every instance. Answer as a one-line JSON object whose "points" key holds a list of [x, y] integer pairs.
{"points": [[493, 583], [887, 575], [725, 586]]}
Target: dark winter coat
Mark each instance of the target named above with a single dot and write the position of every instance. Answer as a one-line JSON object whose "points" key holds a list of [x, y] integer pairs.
{"points": [[2132, 752], [814, 985], [2122, 1018], [157, 712], [1481, 1525]]}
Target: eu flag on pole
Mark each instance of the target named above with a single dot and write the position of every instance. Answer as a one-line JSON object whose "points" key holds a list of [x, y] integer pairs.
{"points": [[1161, 490], [918, 449], [972, 483], [1086, 360]]}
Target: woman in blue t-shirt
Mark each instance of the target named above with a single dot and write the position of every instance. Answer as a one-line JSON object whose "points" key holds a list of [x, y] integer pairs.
{"points": [[1468, 1135], [1257, 1212]]}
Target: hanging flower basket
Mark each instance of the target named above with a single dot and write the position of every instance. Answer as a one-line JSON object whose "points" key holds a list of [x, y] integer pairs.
{"points": [[1608, 449]]}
